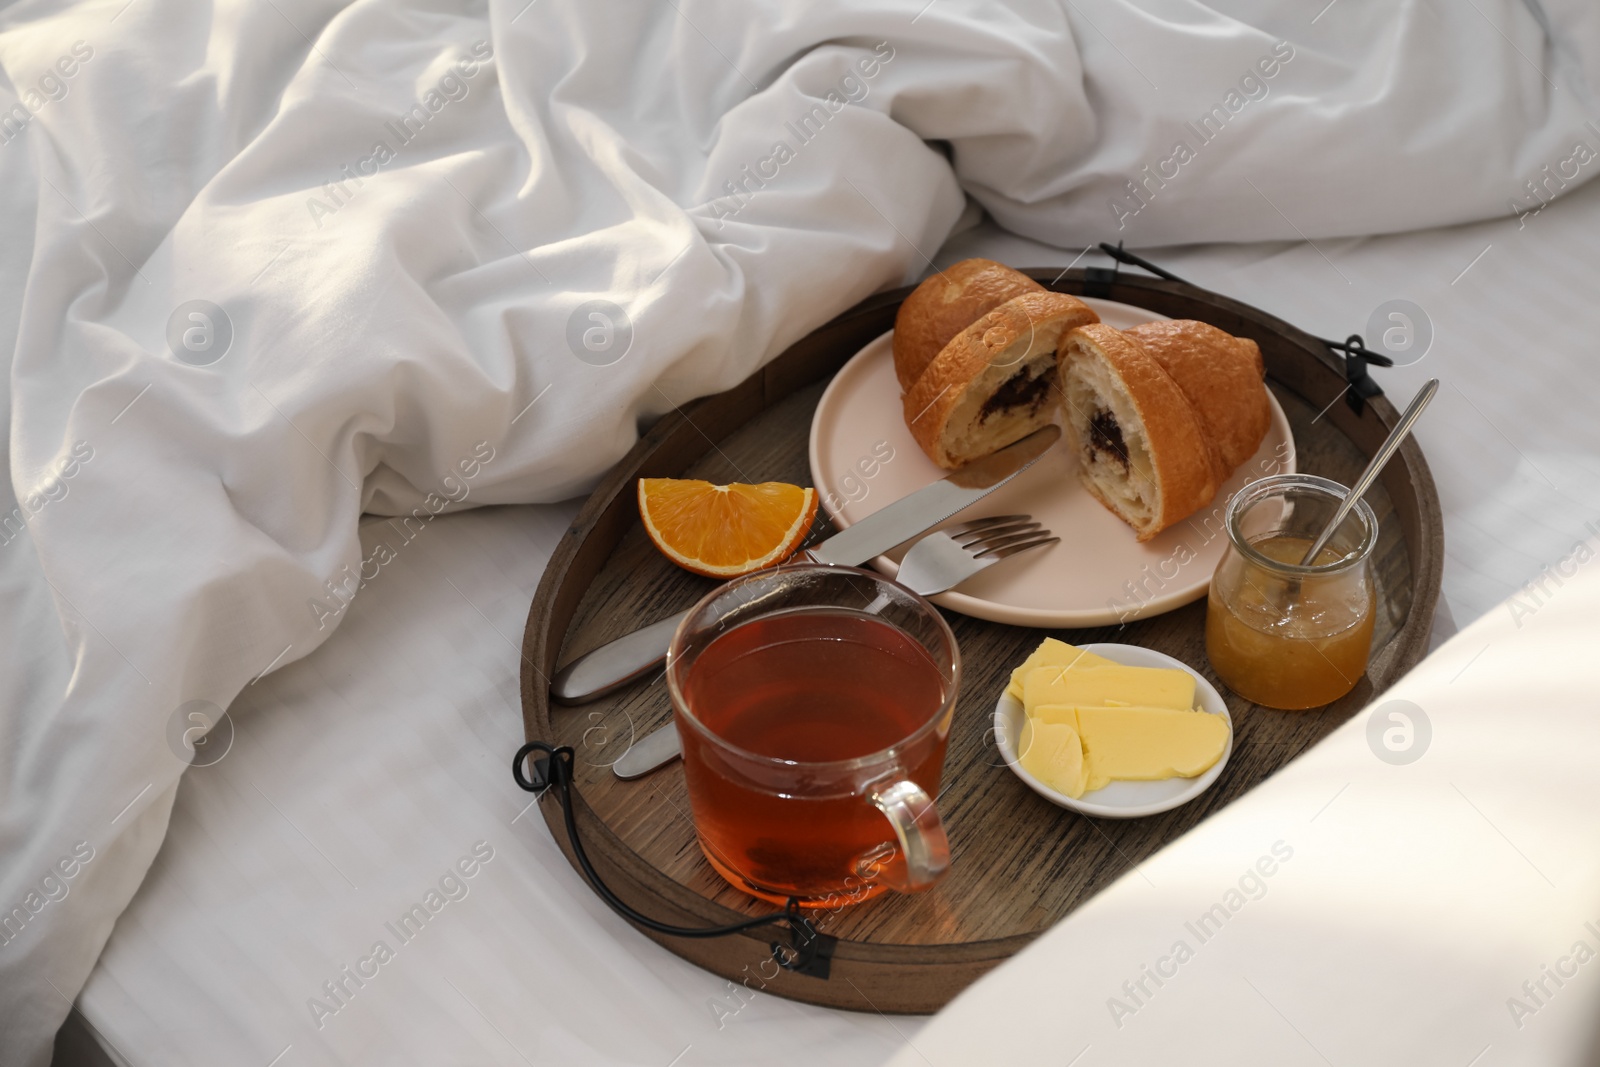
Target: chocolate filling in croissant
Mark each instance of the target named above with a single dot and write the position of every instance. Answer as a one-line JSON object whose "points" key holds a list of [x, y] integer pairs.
{"points": [[1019, 390], [1106, 436]]}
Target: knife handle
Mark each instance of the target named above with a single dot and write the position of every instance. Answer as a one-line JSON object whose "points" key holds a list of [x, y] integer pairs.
{"points": [[614, 664], [655, 749]]}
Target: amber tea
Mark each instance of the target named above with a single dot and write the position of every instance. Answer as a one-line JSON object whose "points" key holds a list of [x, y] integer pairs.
{"points": [[807, 686]]}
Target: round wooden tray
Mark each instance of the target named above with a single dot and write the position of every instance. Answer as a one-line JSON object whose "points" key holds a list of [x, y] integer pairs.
{"points": [[1019, 863]]}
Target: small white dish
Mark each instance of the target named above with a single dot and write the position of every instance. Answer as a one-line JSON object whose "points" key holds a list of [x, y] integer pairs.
{"points": [[1120, 800]]}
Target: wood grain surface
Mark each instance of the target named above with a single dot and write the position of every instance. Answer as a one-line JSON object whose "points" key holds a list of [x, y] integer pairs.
{"points": [[1019, 863]]}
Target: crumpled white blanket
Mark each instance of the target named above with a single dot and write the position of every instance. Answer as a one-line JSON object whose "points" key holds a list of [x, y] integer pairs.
{"points": [[265, 267]]}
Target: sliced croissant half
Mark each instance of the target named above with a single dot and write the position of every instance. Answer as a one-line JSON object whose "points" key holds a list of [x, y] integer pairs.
{"points": [[1143, 452], [1222, 376], [995, 382], [947, 303]]}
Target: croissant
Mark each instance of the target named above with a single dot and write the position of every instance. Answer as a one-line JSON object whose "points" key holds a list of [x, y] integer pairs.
{"points": [[944, 305], [995, 382], [1162, 414], [1222, 377]]}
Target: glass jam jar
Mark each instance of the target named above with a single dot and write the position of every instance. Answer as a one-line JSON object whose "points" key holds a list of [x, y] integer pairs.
{"points": [[1279, 634]]}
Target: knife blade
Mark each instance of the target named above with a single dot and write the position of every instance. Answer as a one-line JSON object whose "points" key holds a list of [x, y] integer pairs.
{"points": [[917, 513], [615, 664]]}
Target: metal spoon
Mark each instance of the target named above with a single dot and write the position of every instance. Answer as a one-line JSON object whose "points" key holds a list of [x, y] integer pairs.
{"points": [[1368, 476]]}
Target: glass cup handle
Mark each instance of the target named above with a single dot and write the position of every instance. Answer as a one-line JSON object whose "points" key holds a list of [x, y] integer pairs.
{"points": [[924, 848]]}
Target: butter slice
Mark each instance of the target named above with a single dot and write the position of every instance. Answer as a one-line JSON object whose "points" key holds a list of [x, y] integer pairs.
{"points": [[1138, 687], [1053, 753], [1053, 653], [1148, 744]]}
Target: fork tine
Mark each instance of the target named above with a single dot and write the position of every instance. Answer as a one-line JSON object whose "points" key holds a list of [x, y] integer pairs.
{"points": [[984, 523], [972, 537], [1018, 538], [1011, 533], [1012, 549]]}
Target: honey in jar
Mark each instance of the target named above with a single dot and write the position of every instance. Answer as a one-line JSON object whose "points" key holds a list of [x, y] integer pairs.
{"points": [[1278, 633]]}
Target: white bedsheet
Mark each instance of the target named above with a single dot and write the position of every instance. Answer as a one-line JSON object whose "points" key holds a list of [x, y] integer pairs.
{"points": [[1422, 887], [241, 919], [414, 340]]}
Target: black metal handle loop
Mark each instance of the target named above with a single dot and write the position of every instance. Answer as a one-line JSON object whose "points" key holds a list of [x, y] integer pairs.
{"points": [[1359, 385], [1117, 253], [1354, 346], [541, 767], [809, 951]]}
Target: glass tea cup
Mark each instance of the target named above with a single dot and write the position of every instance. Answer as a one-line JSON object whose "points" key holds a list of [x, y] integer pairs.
{"points": [[813, 704], [1279, 634]]}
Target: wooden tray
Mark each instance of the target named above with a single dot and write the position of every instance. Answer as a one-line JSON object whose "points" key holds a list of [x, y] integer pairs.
{"points": [[1020, 863]]}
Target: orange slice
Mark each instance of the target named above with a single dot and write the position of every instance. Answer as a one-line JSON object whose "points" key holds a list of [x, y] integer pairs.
{"points": [[723, 531]]}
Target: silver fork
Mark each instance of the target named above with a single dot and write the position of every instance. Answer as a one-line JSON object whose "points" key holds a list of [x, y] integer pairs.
{"points": [[946, 558], [939, 561]]}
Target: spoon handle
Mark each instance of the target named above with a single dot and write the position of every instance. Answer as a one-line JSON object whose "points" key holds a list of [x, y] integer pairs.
{"points": [[1379, 458]]}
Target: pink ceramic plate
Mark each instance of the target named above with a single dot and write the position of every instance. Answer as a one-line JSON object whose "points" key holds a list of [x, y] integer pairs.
{"points": [[863, 457]]}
